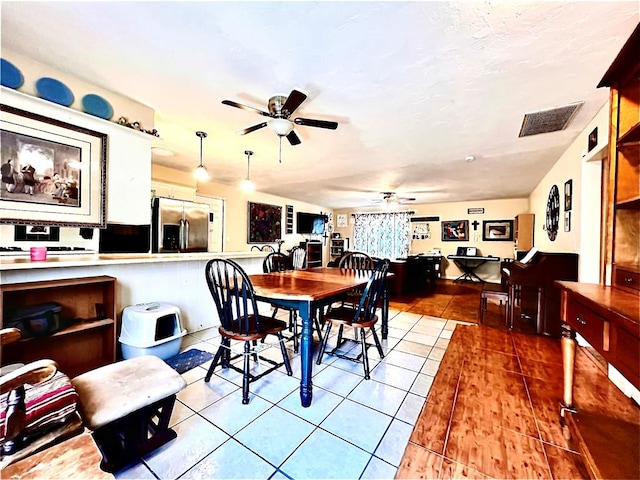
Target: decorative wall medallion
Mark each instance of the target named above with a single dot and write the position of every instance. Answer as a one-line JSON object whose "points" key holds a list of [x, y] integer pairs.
{"points": [[553, 213]]}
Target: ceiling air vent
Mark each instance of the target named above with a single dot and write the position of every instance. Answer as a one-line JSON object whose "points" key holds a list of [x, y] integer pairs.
{"points": [[549, 120]]}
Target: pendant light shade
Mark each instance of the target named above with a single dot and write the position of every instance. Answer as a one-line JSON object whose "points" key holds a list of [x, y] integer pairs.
{"points": [[247, 185], [201, 172]]}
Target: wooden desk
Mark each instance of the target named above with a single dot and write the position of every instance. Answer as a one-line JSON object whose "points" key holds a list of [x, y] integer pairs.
{"points": [[305, 291], [468, 264], [77, 457], [609, 319]]}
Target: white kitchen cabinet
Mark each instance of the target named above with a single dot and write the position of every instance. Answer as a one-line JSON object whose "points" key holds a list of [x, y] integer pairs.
{"points": [[169, 190]]}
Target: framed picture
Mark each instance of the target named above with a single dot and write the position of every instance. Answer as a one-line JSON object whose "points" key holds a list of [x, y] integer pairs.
{"points": [[342, 220], [497, 230], [568, 187], [567, 221], [475, 210], [53, 173], [36, 233], [455, 231], [265, 223]]}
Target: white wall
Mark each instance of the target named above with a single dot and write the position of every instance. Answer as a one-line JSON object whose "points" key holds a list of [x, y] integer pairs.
{"points": [[584, 236]]}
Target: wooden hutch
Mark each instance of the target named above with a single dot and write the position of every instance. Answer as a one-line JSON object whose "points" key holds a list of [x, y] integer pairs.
{"points": [[607, 315]]}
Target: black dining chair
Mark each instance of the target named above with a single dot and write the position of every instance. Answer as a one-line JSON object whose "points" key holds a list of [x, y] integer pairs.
{"points": [[360, 318], [362, 263], [279, 262], [240, 321]]}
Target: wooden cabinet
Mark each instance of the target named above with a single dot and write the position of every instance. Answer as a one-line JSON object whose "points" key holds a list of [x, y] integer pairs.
{"points": [[523, 232], [88, 343], [314, 253], [338, 246], [622, 247], [168, 190], [607, 316]]}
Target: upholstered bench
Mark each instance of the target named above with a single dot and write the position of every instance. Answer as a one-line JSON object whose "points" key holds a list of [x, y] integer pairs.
{"points": [[128, 405], [497, 292]]}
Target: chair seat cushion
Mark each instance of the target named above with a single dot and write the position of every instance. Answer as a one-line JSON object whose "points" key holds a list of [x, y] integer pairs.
{"points": [[268, 326], [111, 392], [46, 404], [344, 315]]}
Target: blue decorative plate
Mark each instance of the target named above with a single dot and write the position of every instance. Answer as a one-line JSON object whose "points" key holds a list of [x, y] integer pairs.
{"points": [[54, 90], [98, 106], [10, 76]]}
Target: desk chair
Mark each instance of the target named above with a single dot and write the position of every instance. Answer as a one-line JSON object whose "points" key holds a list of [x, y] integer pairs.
{"points": [[240, 321], [361, 318]]}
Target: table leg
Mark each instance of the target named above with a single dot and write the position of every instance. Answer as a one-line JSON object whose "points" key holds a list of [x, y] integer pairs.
{"points": [[306, 353], [385, 311], [568, 347]]}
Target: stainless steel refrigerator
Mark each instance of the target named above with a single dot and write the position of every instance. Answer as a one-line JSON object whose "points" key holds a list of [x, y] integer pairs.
{"points": [[179, 226]]}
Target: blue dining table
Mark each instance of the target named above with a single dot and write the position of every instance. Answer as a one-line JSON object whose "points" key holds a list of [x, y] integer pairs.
{"points": [[307, 291]]}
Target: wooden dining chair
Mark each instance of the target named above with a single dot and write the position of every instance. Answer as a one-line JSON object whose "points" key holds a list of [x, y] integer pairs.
{"points": [[361, 318], [362, 263], [298, 256], [240, 321]]}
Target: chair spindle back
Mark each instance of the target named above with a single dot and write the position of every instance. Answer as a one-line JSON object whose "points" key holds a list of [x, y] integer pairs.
{"points": [[233, 294]]}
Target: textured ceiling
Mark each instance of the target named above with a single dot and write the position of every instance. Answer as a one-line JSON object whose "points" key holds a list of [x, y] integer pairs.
{"points": [[416, 87]]}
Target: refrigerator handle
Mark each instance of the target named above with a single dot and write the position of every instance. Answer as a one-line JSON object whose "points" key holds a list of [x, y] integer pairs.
{"points": [[181, 236], [186, 235]]}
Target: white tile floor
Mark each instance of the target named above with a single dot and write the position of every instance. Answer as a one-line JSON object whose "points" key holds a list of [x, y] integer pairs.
{"points": [[354, 428]]}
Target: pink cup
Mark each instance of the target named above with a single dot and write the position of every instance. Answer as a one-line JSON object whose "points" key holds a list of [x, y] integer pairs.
{"points": [[38, 254]]}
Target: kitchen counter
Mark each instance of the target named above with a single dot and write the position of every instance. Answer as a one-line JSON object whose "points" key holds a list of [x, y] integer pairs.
{"points": [[8, 263], [174, 278]]}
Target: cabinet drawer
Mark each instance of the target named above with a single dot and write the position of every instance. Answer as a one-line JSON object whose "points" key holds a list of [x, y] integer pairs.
{"points": [[588, 324], [626, 278]]}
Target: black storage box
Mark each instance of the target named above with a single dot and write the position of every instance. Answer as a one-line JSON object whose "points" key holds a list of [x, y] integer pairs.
{"points": [[36, 320]]}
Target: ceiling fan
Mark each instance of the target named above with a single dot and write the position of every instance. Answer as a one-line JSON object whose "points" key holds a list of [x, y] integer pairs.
{"points": [[391, 198], [281, 108]]}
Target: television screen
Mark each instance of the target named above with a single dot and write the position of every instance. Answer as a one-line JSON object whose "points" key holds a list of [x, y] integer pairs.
{"points": [[310, 223]]}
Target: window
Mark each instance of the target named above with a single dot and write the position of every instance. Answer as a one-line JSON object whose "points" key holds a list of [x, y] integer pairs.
{"points": [[383, 235]]}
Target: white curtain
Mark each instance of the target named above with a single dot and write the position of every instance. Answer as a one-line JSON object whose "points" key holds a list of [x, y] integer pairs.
{"points": [[383, 235]]}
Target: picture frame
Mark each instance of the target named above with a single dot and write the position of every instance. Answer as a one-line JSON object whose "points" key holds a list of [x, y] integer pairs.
{"points": [[567, 221], [264, 223], [36, 233], [475, 211], [53, 172], [568, 190], [497, 231], [455, 230], [341, 220]]}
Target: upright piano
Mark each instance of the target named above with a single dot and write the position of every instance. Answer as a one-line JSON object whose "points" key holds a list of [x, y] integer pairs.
{"points": [[531, 288]]}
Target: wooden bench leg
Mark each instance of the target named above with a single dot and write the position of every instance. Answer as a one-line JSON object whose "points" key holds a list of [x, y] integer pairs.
{"points": [[129, 438]]}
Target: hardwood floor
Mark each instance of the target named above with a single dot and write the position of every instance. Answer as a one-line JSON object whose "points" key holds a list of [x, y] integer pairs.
{"points": [[493, 409]]}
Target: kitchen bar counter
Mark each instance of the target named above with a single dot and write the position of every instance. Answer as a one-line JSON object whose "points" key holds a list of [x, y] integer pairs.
{"points": [[174, 278], [23, 262]]}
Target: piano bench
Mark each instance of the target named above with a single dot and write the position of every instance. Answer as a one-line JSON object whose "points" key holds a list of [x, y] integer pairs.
{"points": [[498, 292]]}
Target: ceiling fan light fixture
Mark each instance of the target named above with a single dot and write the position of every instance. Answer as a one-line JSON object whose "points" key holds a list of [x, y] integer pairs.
{"points": [[281, 126], [201, 172]]}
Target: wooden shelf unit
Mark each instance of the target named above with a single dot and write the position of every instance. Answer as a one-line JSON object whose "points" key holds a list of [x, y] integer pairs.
{"points": [[338, 246], [314, 253], [623, 212], [87, 344]]}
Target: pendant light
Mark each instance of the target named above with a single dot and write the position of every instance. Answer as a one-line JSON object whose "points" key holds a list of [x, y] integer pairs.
{"points": [[247, 185], [201, 172]]}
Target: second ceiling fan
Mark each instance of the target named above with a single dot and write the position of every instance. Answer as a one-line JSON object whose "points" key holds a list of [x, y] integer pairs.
{"points": [[281, 108]]}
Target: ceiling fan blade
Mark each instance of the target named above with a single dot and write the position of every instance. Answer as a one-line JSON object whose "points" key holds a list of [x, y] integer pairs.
{"points": [[231, 103], [309, 122], [293, 138], [294, 100], [252, 128]]}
